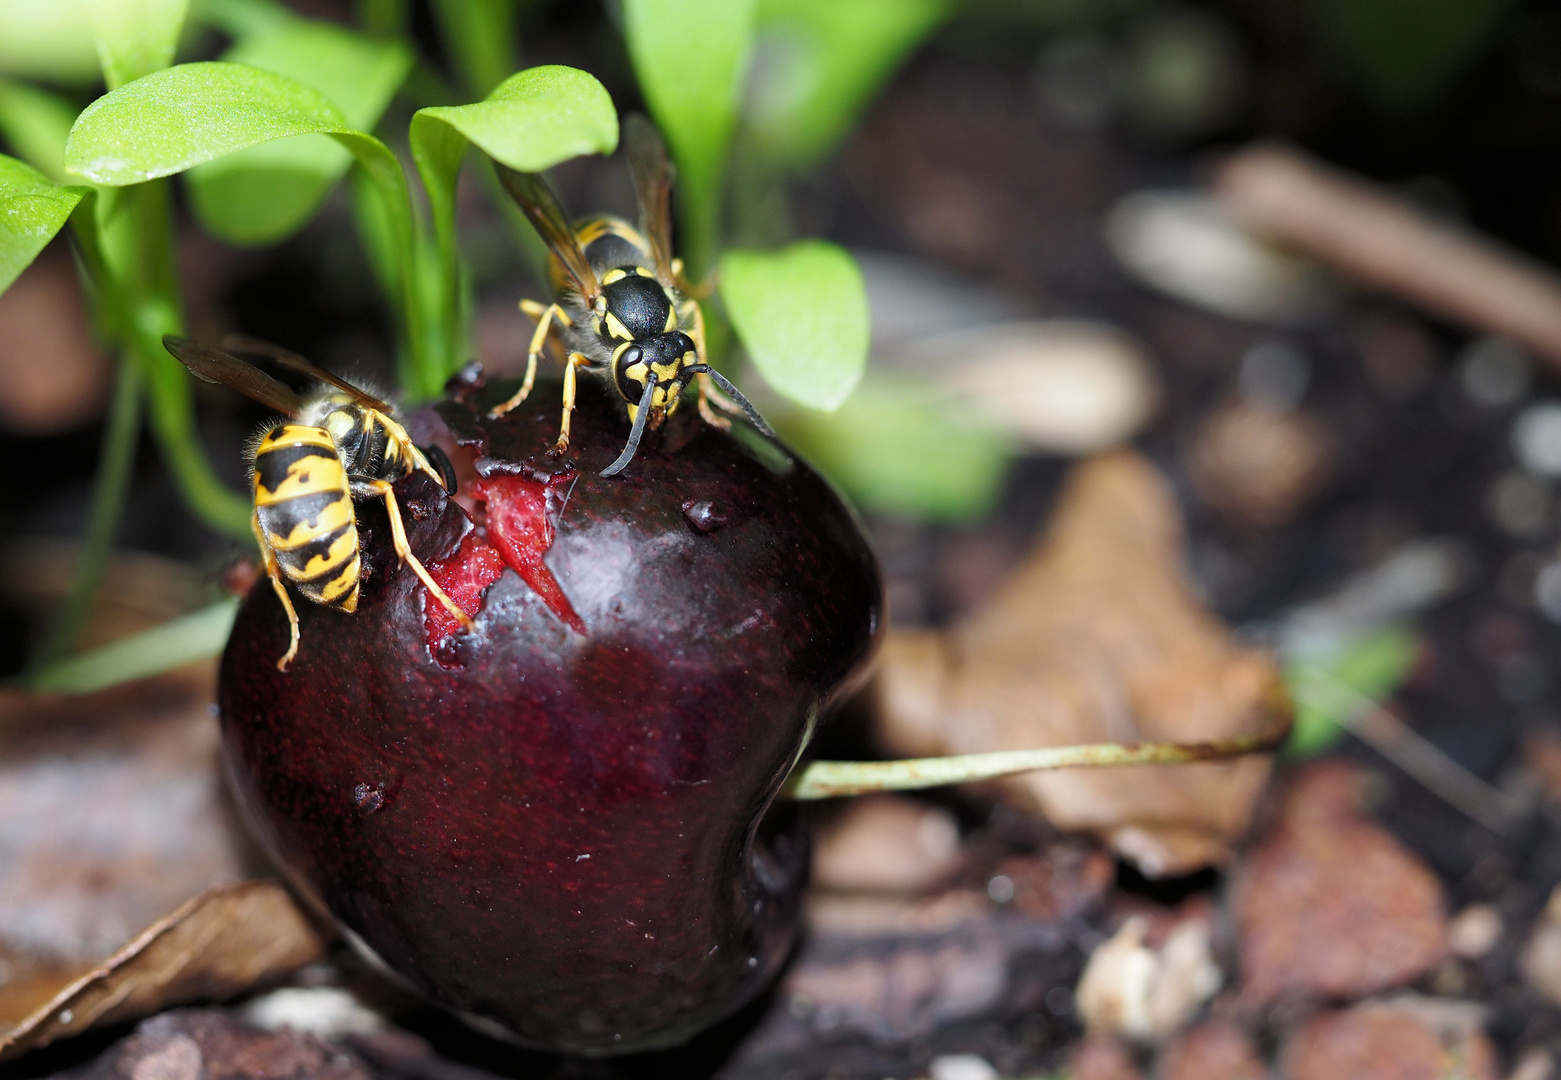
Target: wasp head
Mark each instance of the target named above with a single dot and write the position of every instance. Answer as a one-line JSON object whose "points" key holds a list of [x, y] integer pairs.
{"points": [[667, 356]]}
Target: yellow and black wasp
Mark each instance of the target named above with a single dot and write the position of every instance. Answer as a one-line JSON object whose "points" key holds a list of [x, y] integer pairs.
{"points": [[621, 305], [338, 443]]}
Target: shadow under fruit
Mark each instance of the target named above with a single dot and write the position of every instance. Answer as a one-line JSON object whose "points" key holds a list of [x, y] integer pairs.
{"points": [[565, 835]]}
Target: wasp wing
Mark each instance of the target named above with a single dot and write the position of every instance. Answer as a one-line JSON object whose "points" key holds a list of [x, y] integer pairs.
{"points": [[652, 174], [243, 343], [223, 368], [541, 207]]}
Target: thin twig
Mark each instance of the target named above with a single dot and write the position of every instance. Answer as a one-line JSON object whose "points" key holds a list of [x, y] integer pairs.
{"points": [[1395, 740], [1285, 196], [831, 779]]}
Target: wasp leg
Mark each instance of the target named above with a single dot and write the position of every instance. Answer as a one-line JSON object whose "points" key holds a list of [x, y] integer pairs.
{"points": [[398, 537], [544, 317], [575, 360], [275, 574], [687, 287], [692, 316]]}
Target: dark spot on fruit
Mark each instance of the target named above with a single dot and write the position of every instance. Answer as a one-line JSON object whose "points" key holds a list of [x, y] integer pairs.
{"points": [[703, 515], [369, 798]]}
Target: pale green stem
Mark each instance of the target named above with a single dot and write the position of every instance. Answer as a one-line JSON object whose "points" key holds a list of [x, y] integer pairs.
{"points": [[832, 779], [116, 461], [197, 636]]}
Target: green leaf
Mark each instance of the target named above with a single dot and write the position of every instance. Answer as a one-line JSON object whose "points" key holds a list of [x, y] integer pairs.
{"points": [[187, 115], [32, 210], [532, 121], [1330, 690], [47, 39], [196, 636], [479, 38], [241, 18], [265, 193], [135, 37], [1407, 53], [35, 124], [180, 117], [822, 62], [802, 315], [897, 448], [691, 58]]}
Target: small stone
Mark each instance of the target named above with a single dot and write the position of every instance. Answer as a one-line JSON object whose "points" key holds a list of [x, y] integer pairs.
{"points": [[960, 1067], [1274, 375], [1212, 1051], [1098, 1058], [1131, 990], [1184, 244], [1258, 467], [1519, 504], [1541, 958], [1378, 1041], [1331, 905], [1494, 373], [1536, 1063], [1536, 439], [1474, 931], [887, 843]]}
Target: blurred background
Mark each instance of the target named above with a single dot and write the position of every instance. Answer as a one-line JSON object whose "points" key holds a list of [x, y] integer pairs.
{"points": [[1213, 344]]}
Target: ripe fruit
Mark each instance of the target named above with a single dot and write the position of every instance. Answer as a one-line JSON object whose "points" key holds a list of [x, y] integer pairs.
{"points": [[566, 834]]}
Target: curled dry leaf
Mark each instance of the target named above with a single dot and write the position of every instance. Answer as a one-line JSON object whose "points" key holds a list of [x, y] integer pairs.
{"points": [[220, 943], [1096, 639]]}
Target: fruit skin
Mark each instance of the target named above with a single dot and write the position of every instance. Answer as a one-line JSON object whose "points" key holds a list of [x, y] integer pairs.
{"points": [[566, 834]]}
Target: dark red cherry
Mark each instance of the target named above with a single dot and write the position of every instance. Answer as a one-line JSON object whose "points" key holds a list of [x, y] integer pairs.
{"points": [[561, 824]]}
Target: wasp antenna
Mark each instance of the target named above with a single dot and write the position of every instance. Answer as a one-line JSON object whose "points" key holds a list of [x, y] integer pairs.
{"points": [[639, 429], [736, 395]]}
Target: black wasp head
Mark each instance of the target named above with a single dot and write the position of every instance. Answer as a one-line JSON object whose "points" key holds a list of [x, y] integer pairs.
{"points": [[665, 355], [638, 306]]}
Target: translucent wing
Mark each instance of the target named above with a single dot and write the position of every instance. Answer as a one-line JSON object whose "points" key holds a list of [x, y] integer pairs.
{"points": [[652, 174], [225, 369], [243, 343], [540, 205]]}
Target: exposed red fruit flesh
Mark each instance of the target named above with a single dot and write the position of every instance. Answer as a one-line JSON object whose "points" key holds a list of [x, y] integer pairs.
{"points": [[567, 835], [464, 577], [520, 527]]}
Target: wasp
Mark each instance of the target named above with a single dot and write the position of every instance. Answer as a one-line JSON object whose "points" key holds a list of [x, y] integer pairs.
{"points": [[621, 305], [339, 443]]}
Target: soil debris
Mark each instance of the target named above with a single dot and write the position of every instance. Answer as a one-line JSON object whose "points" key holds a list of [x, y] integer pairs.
{"points": [[1381, 1041], [1212, 1051], [1096, 639], [1329, 905]]}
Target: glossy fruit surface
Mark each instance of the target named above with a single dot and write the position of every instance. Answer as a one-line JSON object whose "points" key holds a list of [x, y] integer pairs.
{"points": [[562, 832]]}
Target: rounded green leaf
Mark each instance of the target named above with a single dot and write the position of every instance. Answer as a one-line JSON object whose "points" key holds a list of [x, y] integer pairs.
{"points": [[135, 37], [265, 193], [802, 315], [899, 449], [173, 119], [47, 39], [533, 120], [32, 210], [35, 123], [824, 60]]}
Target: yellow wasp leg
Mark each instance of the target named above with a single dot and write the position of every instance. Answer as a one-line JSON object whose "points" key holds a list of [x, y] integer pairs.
{"points": [[398, 537], [688, 288], [275, 574], [694, 317], [544, 317], [575, 360]]}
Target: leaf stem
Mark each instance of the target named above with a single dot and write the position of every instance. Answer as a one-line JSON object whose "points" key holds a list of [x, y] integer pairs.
{"points": [[116, 461], [831, 779]]}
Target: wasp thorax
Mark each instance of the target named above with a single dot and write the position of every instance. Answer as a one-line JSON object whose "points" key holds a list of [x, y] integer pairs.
{"points": [[664, 355], [637, 305]]}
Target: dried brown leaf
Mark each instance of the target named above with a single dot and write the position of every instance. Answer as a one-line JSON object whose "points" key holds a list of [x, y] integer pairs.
{"points": [[220, 943], [1096, 639]]}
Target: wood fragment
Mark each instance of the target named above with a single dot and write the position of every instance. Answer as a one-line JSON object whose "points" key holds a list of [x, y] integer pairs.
{"points": [[1352, 225]]}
